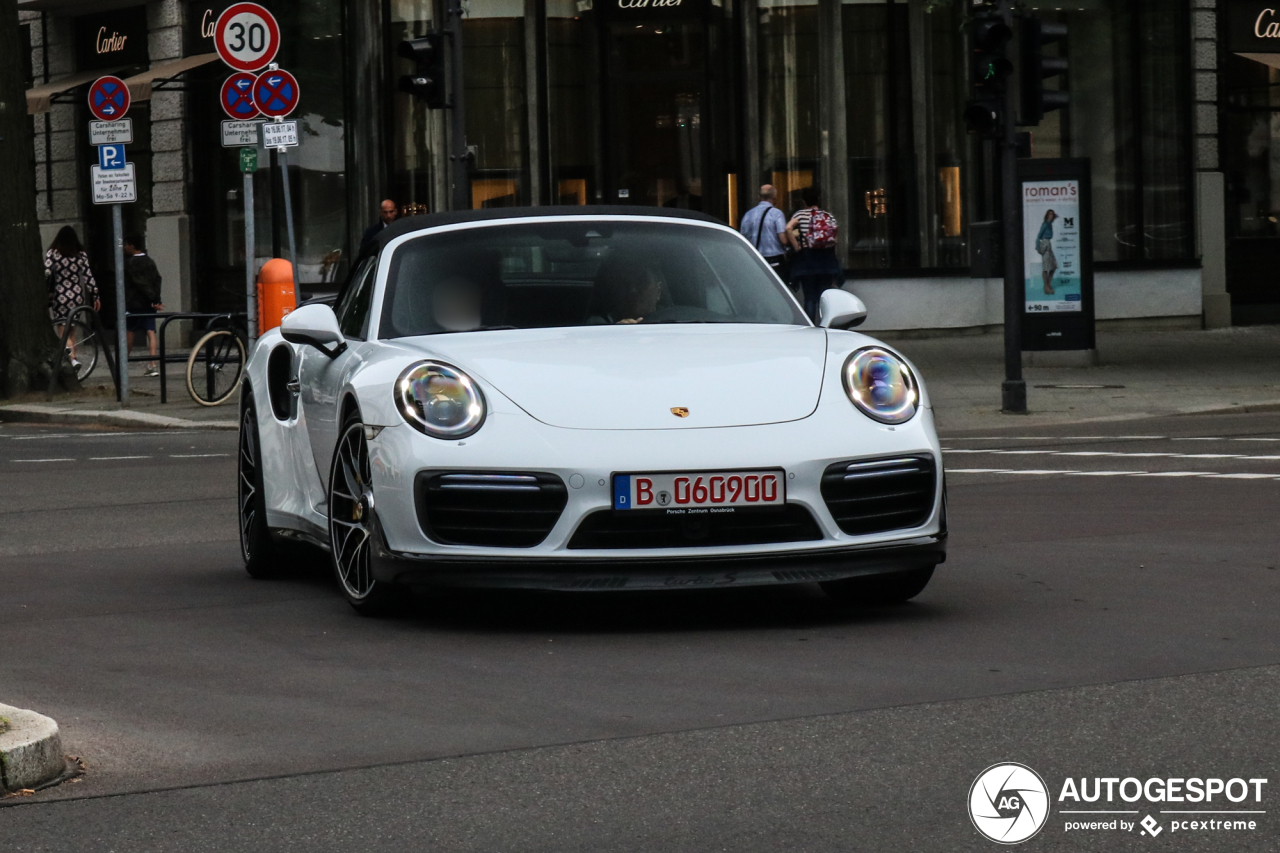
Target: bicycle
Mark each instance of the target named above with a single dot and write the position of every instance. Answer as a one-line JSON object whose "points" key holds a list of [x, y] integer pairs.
{"points": [[217, 362], [82, 348]]}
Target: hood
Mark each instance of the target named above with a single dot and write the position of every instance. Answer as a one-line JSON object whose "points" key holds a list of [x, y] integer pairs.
{"points": [[631, 377]]}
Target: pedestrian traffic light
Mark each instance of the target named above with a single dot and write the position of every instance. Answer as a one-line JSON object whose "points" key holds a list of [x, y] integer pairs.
{"points": [[989, 73], [1034, 68], [428, 79]]}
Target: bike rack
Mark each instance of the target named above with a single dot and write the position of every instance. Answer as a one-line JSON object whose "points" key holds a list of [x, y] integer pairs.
{"points": [[164, 359], [56, 362]]}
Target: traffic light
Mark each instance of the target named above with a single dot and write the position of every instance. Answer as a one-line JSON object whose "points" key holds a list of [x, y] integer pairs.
{"points": [[427, 80], [1034, 68], [989, 43]]}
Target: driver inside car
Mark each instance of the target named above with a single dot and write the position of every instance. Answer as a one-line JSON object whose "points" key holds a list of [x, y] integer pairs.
{"points": [[631, 291]]}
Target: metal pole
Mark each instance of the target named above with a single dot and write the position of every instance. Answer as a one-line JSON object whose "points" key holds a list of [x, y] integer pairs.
{"points": [[459, 174], [288, 213], [122, 337], [250, 260], [1013, 393]]}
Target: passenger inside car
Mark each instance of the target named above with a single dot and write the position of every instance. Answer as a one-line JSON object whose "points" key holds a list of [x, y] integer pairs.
{"points": [[456, 301]]}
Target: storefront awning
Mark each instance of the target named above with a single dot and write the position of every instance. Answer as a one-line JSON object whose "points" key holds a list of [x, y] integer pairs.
{"points": [[1272, 59], [40, 98], [141, 85]]}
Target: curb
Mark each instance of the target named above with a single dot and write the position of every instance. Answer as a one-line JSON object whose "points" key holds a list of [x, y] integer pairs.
{"points": [[34, 414], [30, 750]]}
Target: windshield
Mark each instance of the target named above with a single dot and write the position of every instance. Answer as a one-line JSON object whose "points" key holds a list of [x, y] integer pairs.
{"points": [[550, 274]]}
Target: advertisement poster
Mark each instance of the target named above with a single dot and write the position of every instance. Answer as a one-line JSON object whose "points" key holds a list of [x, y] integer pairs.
{"points": [[1051, 245]]}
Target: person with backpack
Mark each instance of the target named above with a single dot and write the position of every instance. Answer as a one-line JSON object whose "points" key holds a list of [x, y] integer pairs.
{"points": [[766, 228], [141, 296], [812, 231]]}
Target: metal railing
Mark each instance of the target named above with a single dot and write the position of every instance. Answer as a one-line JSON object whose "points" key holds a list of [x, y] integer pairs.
{"points": [[229, 316]]}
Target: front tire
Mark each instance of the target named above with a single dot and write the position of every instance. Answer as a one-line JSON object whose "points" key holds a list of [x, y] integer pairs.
{"points": [[260, 553], [351, 527], [879, 590]]}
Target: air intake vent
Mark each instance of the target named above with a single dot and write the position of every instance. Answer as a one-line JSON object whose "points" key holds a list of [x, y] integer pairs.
{"points": [[878, 495], [493, 509], [608, 529]]}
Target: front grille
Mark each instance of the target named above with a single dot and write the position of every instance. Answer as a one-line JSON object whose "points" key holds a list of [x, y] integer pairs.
{"points": [[877, 495], [495, 509], [609, 529]]}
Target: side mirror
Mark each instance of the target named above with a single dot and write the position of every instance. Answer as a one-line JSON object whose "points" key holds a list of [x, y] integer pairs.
{"points": [[840, 309], [314, 325]]}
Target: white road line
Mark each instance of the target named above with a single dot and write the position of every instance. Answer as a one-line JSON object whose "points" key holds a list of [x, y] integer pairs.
{"points": [[1113, 454], [1211, 475], [195, 455], [1255, 439], [114, 458], [30, 437], [42, 460]]}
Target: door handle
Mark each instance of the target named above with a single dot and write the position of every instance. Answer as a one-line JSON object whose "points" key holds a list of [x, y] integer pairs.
{"points": [[294, 386]]}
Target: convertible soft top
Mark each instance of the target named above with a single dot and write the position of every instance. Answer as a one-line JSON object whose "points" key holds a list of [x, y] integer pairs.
{"points": [[409, 224]]}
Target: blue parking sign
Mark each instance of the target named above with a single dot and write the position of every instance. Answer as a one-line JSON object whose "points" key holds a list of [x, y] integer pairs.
{"points": [[110, 157]]}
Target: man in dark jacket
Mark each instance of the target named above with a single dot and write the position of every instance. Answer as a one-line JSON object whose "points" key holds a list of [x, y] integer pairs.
{"points": [[387, 213], [141, 295]]}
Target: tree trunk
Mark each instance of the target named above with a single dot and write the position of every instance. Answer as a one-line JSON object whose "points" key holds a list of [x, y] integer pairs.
{"points": [[27, 341]]}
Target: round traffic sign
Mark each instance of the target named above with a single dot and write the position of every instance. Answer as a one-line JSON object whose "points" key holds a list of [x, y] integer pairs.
{"points": [[237, 96], [246, 36], [108, 98], [276, 93]]}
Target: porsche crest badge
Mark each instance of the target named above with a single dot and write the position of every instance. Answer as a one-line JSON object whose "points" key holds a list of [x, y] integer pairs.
{"points": [[680, 411]]}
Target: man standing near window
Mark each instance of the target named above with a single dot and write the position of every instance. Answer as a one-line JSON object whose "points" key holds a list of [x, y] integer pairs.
{"points": [[764, 225], [387, 213]]}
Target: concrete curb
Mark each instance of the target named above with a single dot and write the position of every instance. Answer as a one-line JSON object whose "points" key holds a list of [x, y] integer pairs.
{"points": [[36, 414], [30, 750]]}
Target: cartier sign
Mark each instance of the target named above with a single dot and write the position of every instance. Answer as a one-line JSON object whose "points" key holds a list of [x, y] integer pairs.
{"points": [[1253, 26], [652, 10], [113, 39]]}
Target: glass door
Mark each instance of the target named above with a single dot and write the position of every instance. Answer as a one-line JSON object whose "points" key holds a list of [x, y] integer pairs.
{"points": [[654, 146]]}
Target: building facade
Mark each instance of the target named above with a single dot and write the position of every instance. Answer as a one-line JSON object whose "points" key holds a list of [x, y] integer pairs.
{"points": [[693, 104]]}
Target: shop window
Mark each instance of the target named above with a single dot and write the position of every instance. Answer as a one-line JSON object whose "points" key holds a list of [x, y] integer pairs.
{"points": [[415, 133], [788, 39], [497, 124], [1130, 113]]}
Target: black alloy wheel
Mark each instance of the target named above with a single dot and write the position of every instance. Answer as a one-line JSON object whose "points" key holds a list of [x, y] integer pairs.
{"points": [[260, 553], [351, 522]]}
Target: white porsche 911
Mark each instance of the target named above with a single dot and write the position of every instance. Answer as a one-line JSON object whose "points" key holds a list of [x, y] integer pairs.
{"points": [[577, 398]]}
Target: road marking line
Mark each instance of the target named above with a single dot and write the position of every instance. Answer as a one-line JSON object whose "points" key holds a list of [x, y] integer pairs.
{"points": [[42, 460], [1045, 471], [114, 458], [195, 455], [1114, 454]]}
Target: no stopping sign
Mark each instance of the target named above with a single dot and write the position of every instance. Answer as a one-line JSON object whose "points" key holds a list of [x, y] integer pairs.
{"points": [[247, 36]]}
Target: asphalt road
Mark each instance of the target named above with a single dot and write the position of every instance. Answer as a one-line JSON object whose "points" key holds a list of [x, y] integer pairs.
{"points": [[1108, 609]]}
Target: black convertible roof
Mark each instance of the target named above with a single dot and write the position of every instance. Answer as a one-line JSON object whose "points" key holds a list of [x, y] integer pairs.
{"points": [[409, 224]]}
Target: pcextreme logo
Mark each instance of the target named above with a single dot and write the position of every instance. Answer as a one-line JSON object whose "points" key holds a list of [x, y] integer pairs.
{"points": [[1009, 803]]}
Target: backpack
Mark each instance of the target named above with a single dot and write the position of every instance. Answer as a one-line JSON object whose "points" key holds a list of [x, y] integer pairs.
{"points": [[822, 230]]}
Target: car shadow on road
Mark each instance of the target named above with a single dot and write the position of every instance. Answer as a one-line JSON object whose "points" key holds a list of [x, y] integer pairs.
{"points": [[522, 611]]}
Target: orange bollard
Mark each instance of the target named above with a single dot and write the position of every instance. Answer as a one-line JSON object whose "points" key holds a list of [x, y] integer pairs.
{"points": [[276, 294]]}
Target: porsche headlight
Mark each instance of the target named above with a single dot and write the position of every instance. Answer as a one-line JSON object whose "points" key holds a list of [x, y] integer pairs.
{"points": [[440, 400], [881, 385]]}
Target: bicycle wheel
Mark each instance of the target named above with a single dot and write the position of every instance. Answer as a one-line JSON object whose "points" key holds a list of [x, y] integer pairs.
{"points": [[215, 367], [86, 346]]}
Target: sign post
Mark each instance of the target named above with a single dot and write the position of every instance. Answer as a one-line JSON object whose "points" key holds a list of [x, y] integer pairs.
{"points": [[276, 93], [114, 183], [247, 38], [249, 165]]}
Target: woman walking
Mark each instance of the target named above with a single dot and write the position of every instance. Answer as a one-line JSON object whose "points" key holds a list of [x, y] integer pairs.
{"points": [[812, 231], [1044, 245], [71, 281]]}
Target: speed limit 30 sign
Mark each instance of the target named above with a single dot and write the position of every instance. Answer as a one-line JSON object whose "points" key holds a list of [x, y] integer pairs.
{"points": [[247, 36]]}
